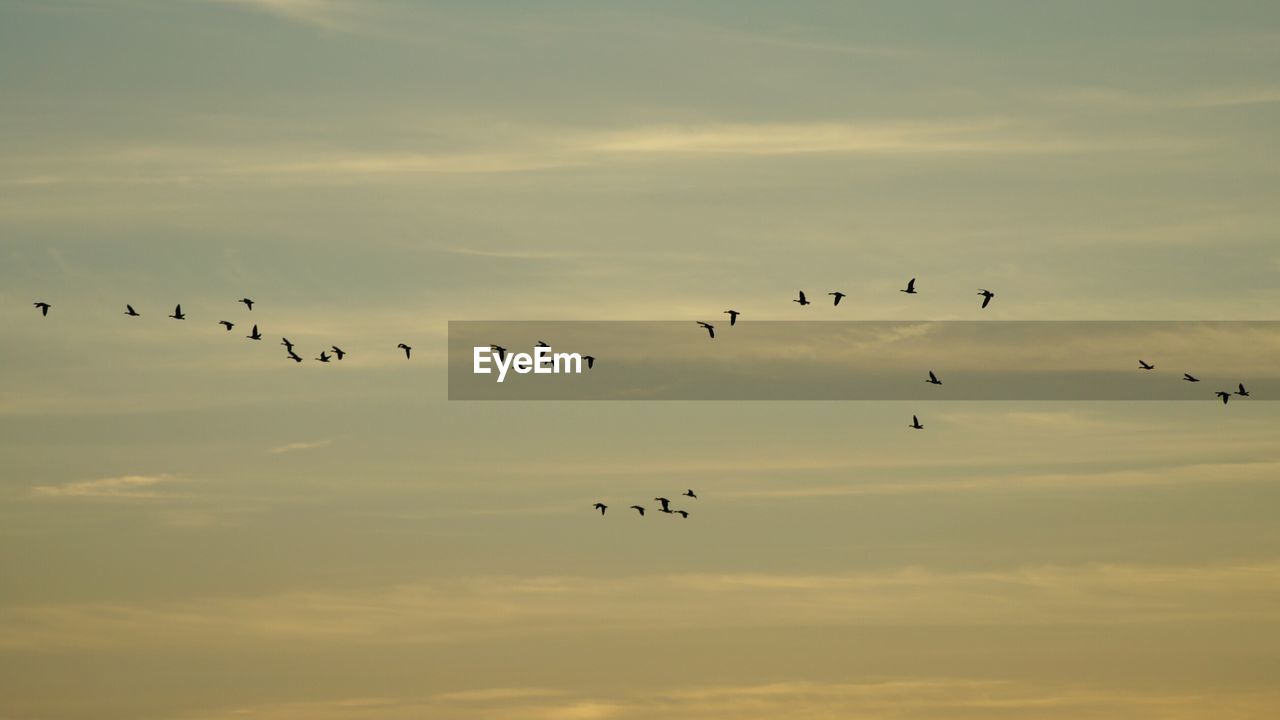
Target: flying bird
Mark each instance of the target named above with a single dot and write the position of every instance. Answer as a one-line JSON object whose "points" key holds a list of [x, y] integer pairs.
{"points": [[838, 296], [177, 313], [682, 513], [803, 300], [255, 335], [128, 310], [541, 344], [285, 342], [911, 287], [339, 352], [323, 357], [406, 350], [986, 296], [711, 329], [601, 507], [502, 352], [933, 379], [638, 509], [1243, 392], [294, 356], [689, 493], [665, 504], [915, 423], [44, 308], [591, 360], [227, 324], [1224, 395], [247, 303], [1143, 364], [733, 317], [1190, 378]]}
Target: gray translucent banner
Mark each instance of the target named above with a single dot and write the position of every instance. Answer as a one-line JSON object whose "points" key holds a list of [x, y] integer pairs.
{"points": [[867, 360]]}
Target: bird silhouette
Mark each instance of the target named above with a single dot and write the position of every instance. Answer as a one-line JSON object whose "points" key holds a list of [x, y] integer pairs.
{"points": [[1243, 392], [44, 308], [711, 329], [591, 360], [177, 313], [802, 300], [838, 296], [911, 287], [1143, 364], [323, 357], [541, 344], [227, 324], [1190, 378], [255, 335], [128, 310], [247, 303], [682, 513], [733, 317], [689, 493], [601, 507], [638, 509], [933, 379], [502, 352], [986, 297], [294, 356], [339, 352], [1224, 395], [665, 503], [915, 423], [406, 350], [285, 342]]}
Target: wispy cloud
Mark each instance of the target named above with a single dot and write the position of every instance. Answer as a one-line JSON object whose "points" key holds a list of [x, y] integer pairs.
{"points": [[302, 445], [125, 487]]}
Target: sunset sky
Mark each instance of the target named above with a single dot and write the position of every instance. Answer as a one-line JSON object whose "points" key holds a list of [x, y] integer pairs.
{"points": [[194, 528]]}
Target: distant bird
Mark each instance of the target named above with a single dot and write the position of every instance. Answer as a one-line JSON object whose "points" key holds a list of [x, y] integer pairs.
{"points": [[1243, 392], [689, 493], [638, 509], [591, 360], [177, 313], [255, 335], [711, 329], [247, 303], [323, 357], [601, 507], [838, 296], [44, 308], [911, 287], [1190, 378], [285, 342], [294, 356], [665, 504], [128, 310], [1224, 395], [227, 324], [915, 423], [803, 300], [406, 350], [933, 379], [339, 352], [1143, 364], [733, 317], [986, 296], [541, 344], [682, 513], [502, 352]]}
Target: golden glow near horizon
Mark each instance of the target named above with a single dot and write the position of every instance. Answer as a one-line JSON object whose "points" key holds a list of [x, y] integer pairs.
{"points": [[192, 527]]}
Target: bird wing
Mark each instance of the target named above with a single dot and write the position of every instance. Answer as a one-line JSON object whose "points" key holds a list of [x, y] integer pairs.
{"points": [[911, 284], [801, 296], [985, 300]]}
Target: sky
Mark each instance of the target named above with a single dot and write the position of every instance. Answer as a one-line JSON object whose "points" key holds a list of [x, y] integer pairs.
{"points": [[194, 528]]}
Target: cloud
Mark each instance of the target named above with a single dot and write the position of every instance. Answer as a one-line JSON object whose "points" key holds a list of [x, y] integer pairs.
{"points": [[295, 446], [125, 487]]}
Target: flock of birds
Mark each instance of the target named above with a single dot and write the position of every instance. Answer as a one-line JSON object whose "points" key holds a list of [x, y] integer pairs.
{"points": [[663, 503]]}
